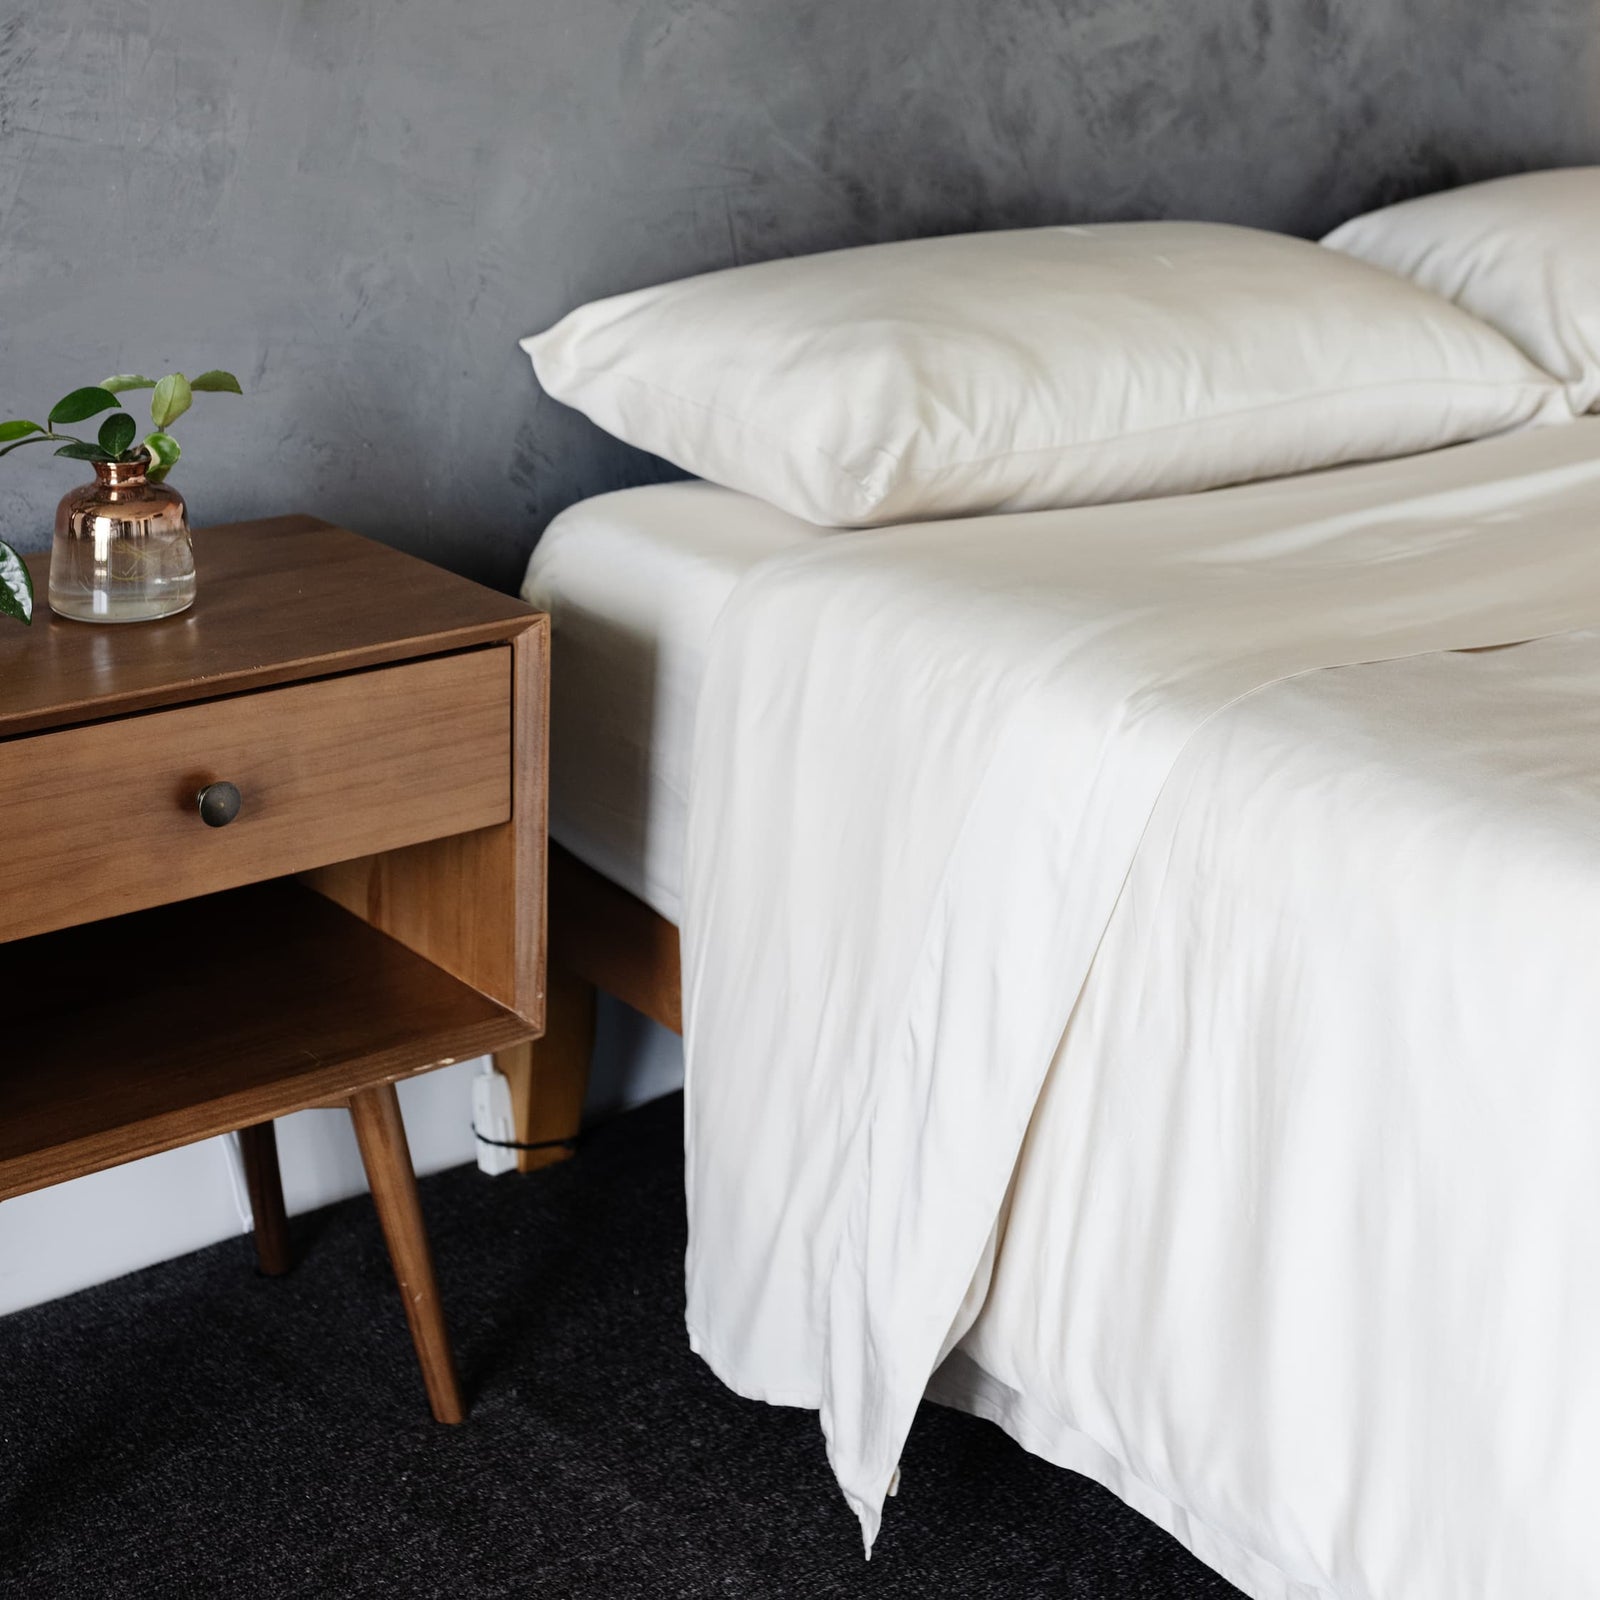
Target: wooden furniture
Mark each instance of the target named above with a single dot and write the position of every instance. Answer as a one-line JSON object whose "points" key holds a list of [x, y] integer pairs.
{"points": [[601, 937], [280, 851]]}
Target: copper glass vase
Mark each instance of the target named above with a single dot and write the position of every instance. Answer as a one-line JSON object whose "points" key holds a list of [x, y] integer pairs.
{"points": [[122, 548]]}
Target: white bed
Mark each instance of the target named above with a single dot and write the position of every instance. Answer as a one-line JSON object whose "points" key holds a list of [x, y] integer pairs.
{"points": [[1297, 1254], [634, 582]]}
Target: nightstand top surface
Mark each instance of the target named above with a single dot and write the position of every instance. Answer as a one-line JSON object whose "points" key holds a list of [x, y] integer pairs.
{"points": [[280, 600]]}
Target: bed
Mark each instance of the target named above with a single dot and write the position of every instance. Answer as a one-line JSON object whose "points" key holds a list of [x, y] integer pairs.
{"points": [[1081, 1393], [1132, 927]]}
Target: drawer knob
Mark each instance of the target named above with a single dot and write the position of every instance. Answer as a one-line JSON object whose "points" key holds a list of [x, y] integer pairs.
{"points": [[218, 804]]}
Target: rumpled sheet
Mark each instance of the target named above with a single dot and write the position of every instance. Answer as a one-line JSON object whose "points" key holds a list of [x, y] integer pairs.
{"points": [[1301, 1258], [928, 762]]}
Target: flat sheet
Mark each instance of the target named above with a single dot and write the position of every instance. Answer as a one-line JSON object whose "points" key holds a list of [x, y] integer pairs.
{"points": [[633, 582], [1325, 1126], [959, 735]]}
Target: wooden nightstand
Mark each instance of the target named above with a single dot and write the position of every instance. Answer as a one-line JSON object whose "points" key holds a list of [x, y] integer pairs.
{"points": [[372, 908]]}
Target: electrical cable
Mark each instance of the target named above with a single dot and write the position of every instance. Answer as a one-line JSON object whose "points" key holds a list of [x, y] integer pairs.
{"points": [[518, 1144]]}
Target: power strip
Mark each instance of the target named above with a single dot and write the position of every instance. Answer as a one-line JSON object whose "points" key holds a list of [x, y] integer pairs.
{"points": [[491, 1119]]}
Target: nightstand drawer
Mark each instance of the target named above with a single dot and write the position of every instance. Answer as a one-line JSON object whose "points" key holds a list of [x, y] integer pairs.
{"points": [[104, 819]]}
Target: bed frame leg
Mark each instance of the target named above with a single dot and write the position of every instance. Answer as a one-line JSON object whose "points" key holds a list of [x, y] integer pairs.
{"points": [[549, 1077]]}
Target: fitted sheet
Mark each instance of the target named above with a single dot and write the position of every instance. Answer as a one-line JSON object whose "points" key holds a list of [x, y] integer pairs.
{"points": [[633, 582]]}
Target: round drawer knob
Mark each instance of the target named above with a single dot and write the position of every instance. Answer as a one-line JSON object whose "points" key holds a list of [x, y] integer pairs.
{"points": [[218, 803]]}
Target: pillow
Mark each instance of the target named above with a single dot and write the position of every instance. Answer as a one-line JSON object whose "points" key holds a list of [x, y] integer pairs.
{"points": [[1043, 367], [1522, 253]]}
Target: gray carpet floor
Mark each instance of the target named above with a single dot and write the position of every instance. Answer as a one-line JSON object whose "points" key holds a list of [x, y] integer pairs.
{"points": [[196, 1429]]}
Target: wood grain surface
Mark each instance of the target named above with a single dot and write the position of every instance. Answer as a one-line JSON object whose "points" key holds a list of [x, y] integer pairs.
{"points": [[284, 599], [103, 817], [387, 1157], [475, 903], [140, 1033], [258, 1147], [608, 937]]}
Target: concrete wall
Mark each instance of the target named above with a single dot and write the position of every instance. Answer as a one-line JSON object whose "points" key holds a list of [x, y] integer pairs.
{"points": [[359, 205]]}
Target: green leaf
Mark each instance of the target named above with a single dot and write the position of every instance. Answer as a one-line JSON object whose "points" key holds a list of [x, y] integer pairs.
{"points": [[217, 382], [117, 433], [127, 380], [16, 586], [17, 430], [82, 403], [84, 452], [164, 453], [172, 398]]}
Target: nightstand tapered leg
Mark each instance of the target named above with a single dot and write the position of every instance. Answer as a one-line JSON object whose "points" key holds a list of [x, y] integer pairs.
{"points": [[387, 1157], [259, 1147]]}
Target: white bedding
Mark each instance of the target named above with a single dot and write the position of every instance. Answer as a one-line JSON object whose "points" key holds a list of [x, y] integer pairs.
{"points": [[1325, 1128], [1029, 828], [634, 582]]}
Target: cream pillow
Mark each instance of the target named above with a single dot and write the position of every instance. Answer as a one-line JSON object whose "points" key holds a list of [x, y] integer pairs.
{"points": [[1523, 253], [1043, 367]]}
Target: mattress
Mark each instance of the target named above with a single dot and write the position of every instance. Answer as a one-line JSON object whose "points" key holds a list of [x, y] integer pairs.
{"points": [[633, 582]]}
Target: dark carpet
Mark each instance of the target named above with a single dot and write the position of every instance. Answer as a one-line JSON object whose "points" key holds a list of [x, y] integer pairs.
{"points": [[196, 1429]]}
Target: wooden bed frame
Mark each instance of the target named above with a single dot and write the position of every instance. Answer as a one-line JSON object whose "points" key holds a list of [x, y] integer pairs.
{"points": [[600, 937]]}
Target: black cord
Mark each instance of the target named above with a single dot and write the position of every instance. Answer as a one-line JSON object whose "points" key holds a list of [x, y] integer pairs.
{"points": [[517, 1144]]}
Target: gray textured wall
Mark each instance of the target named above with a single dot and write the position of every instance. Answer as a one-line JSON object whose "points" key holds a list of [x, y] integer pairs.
{"points": [[359, 205]]}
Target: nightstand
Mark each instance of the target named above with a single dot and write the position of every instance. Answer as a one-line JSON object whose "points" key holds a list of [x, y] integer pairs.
{"points": [[281, 851]]}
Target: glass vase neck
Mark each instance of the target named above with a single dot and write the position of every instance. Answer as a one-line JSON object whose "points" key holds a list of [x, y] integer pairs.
{"points": [[121, 474]]}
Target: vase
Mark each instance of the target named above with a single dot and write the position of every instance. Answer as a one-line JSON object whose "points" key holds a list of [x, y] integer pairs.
{"points": [[122, 548]]}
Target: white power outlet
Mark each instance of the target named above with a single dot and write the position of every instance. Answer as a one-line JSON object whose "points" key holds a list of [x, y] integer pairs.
{"points": [[491, 1119]]}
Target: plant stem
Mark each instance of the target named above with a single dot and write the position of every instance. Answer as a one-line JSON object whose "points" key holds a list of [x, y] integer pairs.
{"points": [[47, 436]]}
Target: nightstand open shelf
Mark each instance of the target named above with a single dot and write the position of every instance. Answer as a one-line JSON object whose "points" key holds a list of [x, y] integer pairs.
{"points": [[278, 852], [133, 1035]]}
